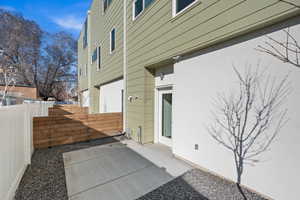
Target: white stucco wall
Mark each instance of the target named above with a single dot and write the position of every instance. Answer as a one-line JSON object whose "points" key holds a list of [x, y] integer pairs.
{"points": [[198, 80], [85, 101], [111, 97]]}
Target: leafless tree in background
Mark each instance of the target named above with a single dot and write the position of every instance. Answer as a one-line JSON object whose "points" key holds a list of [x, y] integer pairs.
{"points": [[287, 50], [45, 61], [59, 65], [21, 41], [247, 122]]}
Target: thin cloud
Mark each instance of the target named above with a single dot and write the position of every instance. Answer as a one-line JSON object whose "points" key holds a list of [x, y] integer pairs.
{"points": [[8, 8], [69, 22]]}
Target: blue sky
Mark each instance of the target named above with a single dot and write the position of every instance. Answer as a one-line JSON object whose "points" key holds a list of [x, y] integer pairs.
{"points": [[51, 15]]}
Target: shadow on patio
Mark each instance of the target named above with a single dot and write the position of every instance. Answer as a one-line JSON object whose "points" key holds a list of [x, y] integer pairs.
{"points": [[45, 179], [114, 169]]}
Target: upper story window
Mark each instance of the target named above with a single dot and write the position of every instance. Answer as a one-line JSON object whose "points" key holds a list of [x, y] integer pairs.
{"points": [[112, 40], [180, 5], [99, 58], [139, 6], [148, 2], [106, 4], [85, 33], [95, 55], [80, 72], [85, 70]]}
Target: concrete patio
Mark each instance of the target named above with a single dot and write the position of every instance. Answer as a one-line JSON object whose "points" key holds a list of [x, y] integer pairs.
{"points": [[119, 171], [114, 168]]}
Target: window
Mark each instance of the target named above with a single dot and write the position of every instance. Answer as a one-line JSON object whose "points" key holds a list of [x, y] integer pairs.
{"points": [[139, 6], [85, 34], [106, 4], [85, 70], [99, 59], [80, 72], [148, 2], [181, 5], [112, 40], [95, 55]]}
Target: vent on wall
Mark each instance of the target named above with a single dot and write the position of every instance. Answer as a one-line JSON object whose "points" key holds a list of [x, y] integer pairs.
{"points": [[139, 134], [128, 133]]}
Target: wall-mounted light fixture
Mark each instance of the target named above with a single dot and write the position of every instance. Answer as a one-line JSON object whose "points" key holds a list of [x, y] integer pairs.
{"points": [[130, 98], [176, 59], [162, 76]]}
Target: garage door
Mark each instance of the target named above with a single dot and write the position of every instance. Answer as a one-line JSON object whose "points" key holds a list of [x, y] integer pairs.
{"points": [[111, 96]]}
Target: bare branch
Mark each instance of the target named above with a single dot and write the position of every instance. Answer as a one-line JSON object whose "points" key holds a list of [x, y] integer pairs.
{"points": [[287, 51], [247, 122]]}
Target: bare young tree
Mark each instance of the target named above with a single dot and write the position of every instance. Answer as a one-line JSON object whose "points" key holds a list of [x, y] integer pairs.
{"points": [[247, 122], [8, 79], [287, 50]]}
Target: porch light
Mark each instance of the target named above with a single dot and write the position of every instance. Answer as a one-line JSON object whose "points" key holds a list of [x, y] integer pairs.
{"points": [[162, 76]]}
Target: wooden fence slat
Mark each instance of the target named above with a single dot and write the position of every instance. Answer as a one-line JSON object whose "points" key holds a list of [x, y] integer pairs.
{"points": [[66, 129]]}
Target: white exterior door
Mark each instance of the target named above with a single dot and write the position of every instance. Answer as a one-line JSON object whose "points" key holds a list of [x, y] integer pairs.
{"points": [[85, 99], [165, 98]]}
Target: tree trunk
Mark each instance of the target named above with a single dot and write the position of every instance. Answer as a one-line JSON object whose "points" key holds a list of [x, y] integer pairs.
{"points": [[45, 98], [241, 191]]}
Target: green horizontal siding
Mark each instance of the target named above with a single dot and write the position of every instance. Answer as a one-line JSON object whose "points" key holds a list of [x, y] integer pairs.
{"points": [[111, 64], [156, 36], [82, 60]]}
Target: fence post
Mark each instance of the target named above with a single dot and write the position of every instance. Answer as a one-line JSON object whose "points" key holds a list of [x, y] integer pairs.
{"points": [[27, 132]]}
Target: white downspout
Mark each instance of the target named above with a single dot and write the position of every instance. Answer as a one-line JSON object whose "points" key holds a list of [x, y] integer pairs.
{"points": [[89, 60], [124, 64]]}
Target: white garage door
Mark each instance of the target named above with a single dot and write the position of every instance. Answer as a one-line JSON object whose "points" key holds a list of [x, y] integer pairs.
{"points": [[85, 99], [111, 97]]}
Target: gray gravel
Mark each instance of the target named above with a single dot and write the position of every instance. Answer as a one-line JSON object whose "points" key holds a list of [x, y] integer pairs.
{"points": [[45, 179], [199, 185]]}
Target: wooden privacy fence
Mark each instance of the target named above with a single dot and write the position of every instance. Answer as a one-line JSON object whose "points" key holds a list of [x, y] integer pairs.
{"points": [[67, 129], [59, 110]]}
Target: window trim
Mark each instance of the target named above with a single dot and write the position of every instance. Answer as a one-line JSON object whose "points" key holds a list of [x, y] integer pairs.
{"points": [[143, 10], [95, 53], [85, 34], [103, 11], [110, 41], [99, 58], [133, 9], [85, 69], [174, 7], [108, 5]]}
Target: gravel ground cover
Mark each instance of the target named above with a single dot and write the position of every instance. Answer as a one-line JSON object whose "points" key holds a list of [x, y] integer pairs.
{"points": [[45, 179], [199, 185]]}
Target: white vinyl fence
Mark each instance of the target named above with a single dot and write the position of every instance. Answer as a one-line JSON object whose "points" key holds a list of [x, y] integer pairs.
{"points": [[16, 143]]}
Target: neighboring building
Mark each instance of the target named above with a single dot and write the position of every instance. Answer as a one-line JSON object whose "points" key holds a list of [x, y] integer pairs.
{"points": [[18, 93], [100, 56], [173, 59]]}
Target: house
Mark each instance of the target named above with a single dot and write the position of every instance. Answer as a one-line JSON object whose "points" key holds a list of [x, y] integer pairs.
{"points": [[18, 93], [162, 63]]}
